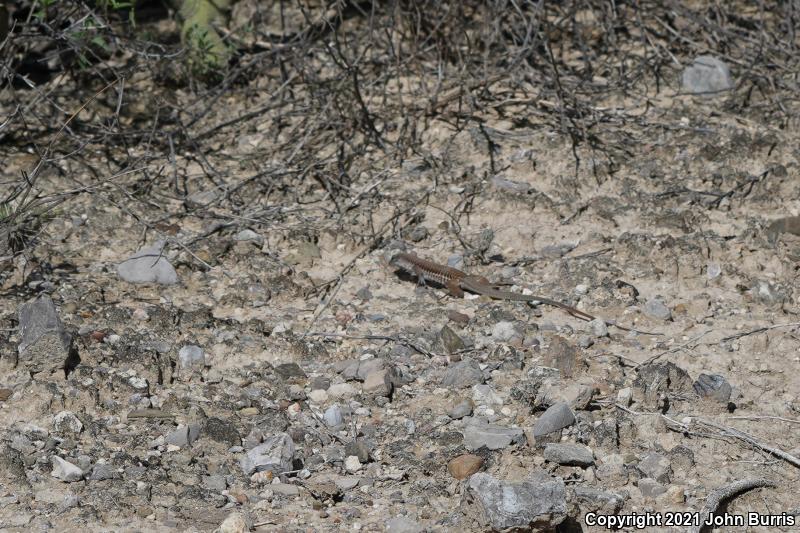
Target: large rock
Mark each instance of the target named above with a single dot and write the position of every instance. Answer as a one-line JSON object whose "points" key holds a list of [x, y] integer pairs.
{"points": [[148, 265], [478, 434], [707, 75], [538, 502], [275, 454], [45, 346], [555, 418]]}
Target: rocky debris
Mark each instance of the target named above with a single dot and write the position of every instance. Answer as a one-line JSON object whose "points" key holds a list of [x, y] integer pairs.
{"points": [[45, 345], [479, 434], [555, 418], [569, 454], [538, 502], [656, 466], [650, 488], [707, 75], [148, 265], [561, 354], [659, 385]]}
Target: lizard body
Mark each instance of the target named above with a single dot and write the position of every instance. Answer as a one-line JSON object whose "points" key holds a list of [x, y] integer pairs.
{"points": [[457, 282]]}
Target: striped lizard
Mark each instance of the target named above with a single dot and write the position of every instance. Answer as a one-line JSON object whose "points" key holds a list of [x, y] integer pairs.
{"points": [[457, 282]]}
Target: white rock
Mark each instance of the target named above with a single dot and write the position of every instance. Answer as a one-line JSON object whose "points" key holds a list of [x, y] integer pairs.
{"points": [[66, 471], [352, 464]]}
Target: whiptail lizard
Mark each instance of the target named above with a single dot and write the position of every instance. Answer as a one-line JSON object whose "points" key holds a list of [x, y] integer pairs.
{"points": [[457, 282]]}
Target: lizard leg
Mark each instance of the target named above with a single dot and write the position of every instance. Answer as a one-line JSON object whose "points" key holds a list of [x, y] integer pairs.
{"points": [[455, 289]]}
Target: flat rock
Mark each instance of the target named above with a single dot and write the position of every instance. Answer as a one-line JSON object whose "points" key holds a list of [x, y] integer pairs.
{"points": [[555, 418], [656, 466], [569, 454], [599, 501], [462, 374], [401, 524], [650, 488], [148, 265], [478, 435], [707, 75], [538, 503], [657, 309]]}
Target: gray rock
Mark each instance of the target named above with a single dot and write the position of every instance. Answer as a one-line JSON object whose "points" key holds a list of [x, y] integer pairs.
{"points": [[66, 423], [539, 502], [45, 346], [289, 371], [569, 454], [345, 483], [191, 357], [450, 341], [650, 488], [657, 309], [215, 482], [599, 328], [285, 489], [248, 235], [364, 294], [179, 436], [707, 74], [555, 418], [333, 416], [380, 382], [599, 501], [655, 466], [359, 370], [358, 448], [505, 331], [102, 471], [320, 383], [612, 470], [713, 386], [486, 395], [401, 524], [767, 292], [478, 434], [505, 184], [218, 430], [275, 454], [65, 471], [462, 374], [148, 265]]}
